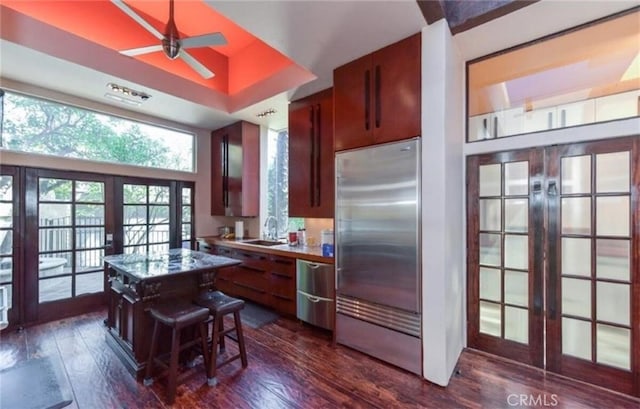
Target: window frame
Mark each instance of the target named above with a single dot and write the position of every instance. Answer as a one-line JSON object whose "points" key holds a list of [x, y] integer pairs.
{"points": [[529, 44]]}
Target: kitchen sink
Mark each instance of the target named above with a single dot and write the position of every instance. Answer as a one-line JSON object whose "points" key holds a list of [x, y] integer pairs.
{"points": [[261, 242]]}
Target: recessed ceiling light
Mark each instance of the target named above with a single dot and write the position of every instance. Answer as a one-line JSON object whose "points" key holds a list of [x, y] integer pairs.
{"points": [[126, 95], [266, 112]]}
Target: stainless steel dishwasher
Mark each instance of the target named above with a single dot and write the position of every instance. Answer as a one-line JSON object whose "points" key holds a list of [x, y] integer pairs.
{"points": [[316, 289]]}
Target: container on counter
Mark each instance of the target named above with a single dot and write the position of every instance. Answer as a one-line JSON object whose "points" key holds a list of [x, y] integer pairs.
{"points": [[326, 240], [239, 230], [293, 238], [302, 237]]}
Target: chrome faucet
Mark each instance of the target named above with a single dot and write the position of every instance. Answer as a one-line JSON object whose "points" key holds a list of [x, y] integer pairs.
{"points": [[271, 232]]}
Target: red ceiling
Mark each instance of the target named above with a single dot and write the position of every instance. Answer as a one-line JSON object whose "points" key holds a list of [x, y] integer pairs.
{"points": [[244, 62]]}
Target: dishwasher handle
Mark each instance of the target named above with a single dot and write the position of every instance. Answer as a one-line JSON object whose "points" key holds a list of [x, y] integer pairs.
{"points": [[313, 298]]}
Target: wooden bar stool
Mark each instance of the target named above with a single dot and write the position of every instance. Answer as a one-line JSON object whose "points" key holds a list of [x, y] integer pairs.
{"points": [[177, 315], [220, 304]]}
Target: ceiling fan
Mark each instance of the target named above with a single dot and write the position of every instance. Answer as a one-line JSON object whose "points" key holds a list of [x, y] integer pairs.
{"points": [[171, 43]]}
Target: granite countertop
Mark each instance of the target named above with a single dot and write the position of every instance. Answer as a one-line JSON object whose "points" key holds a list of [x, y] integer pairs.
{"points": [[310, 253], [175, 261]]}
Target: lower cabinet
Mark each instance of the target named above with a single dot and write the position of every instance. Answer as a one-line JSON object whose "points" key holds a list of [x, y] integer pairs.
{"points": [[282, 284], [266, 279]]}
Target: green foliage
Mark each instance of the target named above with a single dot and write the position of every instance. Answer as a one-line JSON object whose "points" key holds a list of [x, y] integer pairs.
{"points": [[278, 182], [39, 126]]}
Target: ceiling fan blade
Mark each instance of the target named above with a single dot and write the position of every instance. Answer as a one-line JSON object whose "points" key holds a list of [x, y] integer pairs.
{"points": [[135, 16], [142, 50], [204, 40], [196, 65]]}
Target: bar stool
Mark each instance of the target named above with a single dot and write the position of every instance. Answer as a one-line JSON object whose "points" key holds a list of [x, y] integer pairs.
{"points": [[219, 305], [177, 315]]}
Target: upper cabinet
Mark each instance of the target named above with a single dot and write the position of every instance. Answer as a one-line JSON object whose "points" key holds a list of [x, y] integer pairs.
{"points": [[377, 97], [311, 156], [235, 170]]}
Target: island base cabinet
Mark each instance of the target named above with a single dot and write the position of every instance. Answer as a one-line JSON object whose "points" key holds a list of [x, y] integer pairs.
{"points": [[129, 323]]}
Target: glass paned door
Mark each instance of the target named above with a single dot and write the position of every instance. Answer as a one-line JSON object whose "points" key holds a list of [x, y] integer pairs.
{"points": [[505, 265], [582, 207], [186, 210], [146, 218], [9, 245], [593, 274], [71, 238]]}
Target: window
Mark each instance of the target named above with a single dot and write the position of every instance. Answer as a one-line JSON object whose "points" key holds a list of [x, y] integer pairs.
{"points": [[36, 125], [582, 76], [277, 189]]}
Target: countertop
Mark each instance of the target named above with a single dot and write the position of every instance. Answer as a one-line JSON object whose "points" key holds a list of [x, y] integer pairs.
{"points": [[310, 253], [175, 261]]}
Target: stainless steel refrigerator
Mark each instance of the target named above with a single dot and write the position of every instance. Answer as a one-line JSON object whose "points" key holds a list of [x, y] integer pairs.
{"points": [[378, 297]]}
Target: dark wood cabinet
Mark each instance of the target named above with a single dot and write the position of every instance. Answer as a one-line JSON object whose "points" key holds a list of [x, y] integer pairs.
{"points": [[311, 181], [377, 97], [263, 278], [235, 170], [282, 284]]}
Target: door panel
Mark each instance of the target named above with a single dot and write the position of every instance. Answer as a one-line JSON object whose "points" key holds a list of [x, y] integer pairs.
{"points": [[583, 207], [68, 218], [592, 275], [377, 232], [10, 241], [505, 254]]}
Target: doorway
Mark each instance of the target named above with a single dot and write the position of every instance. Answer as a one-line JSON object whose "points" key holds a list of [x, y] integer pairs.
{"points": [[56, 227], [554, 260]]}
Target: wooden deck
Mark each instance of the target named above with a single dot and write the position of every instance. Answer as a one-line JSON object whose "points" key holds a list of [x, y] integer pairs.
{"points": [[292, 365]]}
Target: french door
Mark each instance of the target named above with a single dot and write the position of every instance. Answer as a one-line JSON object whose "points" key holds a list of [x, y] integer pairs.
{"points": [[554, 259], [68, 218], [68, 221]]}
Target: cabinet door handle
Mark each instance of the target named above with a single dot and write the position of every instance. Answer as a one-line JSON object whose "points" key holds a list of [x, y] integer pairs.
{"points": [[318, 155], [367, 98], [225, 170], [377, 97], [549, 120], [312, 155], [495, 126], [485, 134], [563, 118]]}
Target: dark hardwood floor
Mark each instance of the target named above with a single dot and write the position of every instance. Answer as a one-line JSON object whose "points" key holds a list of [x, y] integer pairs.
{"points": [[292, 365]]}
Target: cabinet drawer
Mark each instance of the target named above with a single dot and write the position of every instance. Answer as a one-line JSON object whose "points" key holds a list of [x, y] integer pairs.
{"points": [[250, 292], [250, 276], [283, 266], [282, 285], [283, 305], [223, 251]]}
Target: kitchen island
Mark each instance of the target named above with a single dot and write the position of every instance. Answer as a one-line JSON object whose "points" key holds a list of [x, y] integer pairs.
{"points": [[137, 282]]}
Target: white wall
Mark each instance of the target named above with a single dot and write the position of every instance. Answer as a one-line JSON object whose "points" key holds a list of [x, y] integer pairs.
{"points": [[444, 152], [443, 272]]}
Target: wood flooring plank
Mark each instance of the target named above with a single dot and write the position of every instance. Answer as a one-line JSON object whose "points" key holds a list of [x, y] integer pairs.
{"points": [[292, 366], [90, 387]]}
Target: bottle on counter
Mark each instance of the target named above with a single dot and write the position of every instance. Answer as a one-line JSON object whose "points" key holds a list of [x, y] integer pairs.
{"points": [[302, 237]]}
